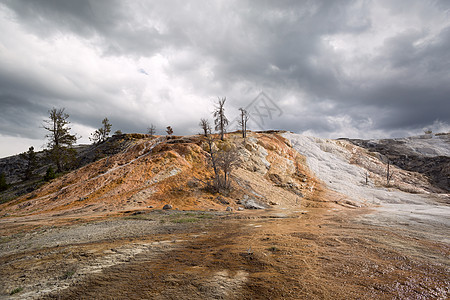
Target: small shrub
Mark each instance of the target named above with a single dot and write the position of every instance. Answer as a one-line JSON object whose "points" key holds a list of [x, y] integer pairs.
{"points": [[49, 174], [68, 275], [16, 290], [273, 249], [184, 220]]}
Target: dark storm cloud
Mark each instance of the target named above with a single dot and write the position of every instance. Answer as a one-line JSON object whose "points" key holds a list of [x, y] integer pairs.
{"points": [[19, 116], [81, 17], [334, 67]]}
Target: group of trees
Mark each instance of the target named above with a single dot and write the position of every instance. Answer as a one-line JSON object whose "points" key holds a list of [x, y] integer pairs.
{"points": [[152, 130], [61, 153], [222, 157], [60, 143], [221, 121]]}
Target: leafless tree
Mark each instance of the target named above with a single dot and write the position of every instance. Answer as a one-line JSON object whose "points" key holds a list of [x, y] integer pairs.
{"points": [[243, 121], [227, 161], [206, 127], [388, 173], [220, 120], [212, 152], [222, 163], [169, 130], [151, 130]]}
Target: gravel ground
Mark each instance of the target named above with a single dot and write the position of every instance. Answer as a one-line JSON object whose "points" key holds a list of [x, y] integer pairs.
{"points": [[118, 228]]}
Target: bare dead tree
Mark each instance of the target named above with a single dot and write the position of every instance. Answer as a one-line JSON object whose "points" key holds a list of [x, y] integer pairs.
{"points": [[151, 130], [243, 121], [206, 127], [388, 173], [227, 161], [212, 152], [220, 120], [222, 163]]}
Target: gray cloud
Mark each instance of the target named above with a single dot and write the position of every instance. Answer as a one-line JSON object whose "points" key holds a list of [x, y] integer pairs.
{"points": [[360, 68]]}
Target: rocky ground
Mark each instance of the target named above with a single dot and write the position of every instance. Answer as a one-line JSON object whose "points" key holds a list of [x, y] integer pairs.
{"points": [[320, 253], [302, 222]]}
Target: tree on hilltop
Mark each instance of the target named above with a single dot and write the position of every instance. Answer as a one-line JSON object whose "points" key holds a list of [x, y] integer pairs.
{"points": [[169, 130], [220, 120], [152, 130], [243, 121], [60, 140], [101, 134], [205, 126]]}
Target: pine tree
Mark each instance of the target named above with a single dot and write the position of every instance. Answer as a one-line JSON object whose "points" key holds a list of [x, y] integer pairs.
{"points": [[3, 184], [49, 174], [60, 140], [101, 134], [31, 163]]}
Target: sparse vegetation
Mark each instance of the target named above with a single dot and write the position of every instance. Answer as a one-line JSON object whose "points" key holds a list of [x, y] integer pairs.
{"points": [[184, 220], [16, 290], [273, 249], [169, 130], [68, 274]]}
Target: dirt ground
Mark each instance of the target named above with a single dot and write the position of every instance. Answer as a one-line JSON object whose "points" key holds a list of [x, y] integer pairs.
{"points": [[321, 253]]}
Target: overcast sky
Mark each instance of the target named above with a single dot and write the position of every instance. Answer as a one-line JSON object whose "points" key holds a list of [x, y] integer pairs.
{"points": [[360, 69]]}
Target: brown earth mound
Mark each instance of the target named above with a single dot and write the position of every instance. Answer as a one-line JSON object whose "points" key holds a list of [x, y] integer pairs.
{"points": [[152, 172]]}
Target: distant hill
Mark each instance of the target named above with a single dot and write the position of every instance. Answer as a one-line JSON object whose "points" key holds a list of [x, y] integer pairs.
{"points": [[427, 154]]}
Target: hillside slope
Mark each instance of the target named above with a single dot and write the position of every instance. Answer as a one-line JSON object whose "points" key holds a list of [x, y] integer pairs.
{"points": [[152, 172], [427, 154], [410, 200]]}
